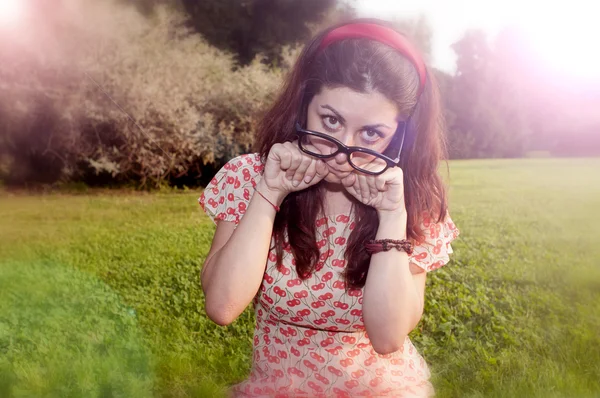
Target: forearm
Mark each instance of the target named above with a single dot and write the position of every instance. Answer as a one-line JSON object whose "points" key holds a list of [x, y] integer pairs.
{"points": [[392, 306], [232, 276]]}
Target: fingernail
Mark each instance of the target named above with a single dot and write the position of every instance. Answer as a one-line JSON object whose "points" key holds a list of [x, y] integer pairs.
{"points": [[307, 179], [295, 183]]}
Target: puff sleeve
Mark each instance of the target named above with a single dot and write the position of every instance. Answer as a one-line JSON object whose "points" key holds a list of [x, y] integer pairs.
{"points": [[227, 195]]}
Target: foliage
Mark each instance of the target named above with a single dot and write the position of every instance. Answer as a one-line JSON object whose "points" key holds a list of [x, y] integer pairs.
{"points": [[515, 314], [188, 105]]}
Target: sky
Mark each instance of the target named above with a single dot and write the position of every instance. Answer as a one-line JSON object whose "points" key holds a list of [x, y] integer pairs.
{"points": [[565, 33]]}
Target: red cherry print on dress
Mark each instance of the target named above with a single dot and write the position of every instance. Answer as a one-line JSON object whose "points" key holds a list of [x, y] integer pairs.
{"points": [[246, 174], [327, 314], [435, 265], [230, 197], [237, 183], [304, 312], [338, 263], [317, 304], [293, 303], [282, 354], [335, 371], [348, 339], [330, 231], [301, 294], [318, 286], [295, 351], [352, 226], [296, 319], [322, 379], [321, 221], [376, 381], [303, 342], [342, 218], [339, 285], [326, 296], [326, 342], [317, 357], [327, 277], [358, 374], [340, 240], [242, 207], [320, 321], [370, 361], [321, 243], [342, 321], [282, 311], [314, 386], [340, 393], [356, 312], [269, 299], [354, 352], [351, 384], [246, 194], [310, 332], [310, 365], [355, 293], [278, 291], [380, 371], [438, 247], [326, 255], [347, 362], [222, 200]]}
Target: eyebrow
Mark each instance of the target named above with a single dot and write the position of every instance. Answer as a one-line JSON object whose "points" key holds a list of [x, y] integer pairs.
{"points": [[368, 126]]}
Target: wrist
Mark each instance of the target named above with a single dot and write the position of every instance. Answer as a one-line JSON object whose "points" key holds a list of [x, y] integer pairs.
{"points": [[392, 225], [276, 196]]}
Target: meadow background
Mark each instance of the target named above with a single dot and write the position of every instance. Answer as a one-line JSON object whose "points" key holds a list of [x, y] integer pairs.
{"points": [[114, 114]]}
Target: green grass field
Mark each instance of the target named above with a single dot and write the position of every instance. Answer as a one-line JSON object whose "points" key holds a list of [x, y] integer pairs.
{"points": [[515, 314]]}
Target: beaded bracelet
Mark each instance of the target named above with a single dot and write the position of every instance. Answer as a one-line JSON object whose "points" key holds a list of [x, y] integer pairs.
{"points": [[277, 208], [379, 245]]}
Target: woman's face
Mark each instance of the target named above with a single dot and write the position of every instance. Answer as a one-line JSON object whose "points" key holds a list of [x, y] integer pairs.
{"points": [[367, 120]]}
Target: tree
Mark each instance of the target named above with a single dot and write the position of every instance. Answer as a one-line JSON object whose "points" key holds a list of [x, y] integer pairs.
{"points": [[247, 28]]}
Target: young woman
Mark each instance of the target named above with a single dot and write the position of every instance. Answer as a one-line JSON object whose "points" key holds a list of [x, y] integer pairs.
{"points": [[331, 227]]}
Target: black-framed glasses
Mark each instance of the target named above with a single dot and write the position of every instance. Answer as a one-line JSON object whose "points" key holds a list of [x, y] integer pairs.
{"points": [[365, 160]]}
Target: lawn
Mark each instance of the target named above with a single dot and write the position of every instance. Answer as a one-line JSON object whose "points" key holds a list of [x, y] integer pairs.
{"points": [[100, 295]]}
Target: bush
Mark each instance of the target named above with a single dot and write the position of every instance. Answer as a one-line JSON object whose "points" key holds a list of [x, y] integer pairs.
{"points": [[69, 86]]}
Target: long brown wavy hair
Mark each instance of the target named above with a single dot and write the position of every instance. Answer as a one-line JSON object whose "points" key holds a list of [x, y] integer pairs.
{"points": [[363, 66]]}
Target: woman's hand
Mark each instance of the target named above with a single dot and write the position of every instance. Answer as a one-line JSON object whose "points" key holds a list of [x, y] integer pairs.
{"points": [[384, 192], [288, 169]]}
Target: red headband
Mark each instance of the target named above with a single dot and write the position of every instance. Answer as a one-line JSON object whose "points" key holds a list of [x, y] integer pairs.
{"points": [[383, 35]]}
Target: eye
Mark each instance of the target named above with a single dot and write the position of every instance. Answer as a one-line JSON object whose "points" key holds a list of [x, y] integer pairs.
{"points": [[331, 123], [370, 136]]}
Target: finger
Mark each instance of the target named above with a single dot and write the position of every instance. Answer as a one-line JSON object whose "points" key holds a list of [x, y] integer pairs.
{"points": [[295, 163], [285, 158], [322, 169], [305, 162], [371, 181], [349, 183], [311, 172], [364, 187], [380, 183], [349, 180]]}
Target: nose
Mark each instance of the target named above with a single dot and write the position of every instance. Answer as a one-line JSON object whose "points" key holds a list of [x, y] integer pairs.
{"points": [[341, 158]]}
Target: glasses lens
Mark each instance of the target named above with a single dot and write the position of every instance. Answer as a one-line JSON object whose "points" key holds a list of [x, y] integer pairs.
{"points": [[367, 162], [317, 145]]}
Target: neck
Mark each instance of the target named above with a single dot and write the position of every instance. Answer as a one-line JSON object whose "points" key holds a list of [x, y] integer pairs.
{"points": [[336, 199]]}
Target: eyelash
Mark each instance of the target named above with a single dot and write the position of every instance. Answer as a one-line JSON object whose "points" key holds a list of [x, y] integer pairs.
{"points": [[323, 117]]}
